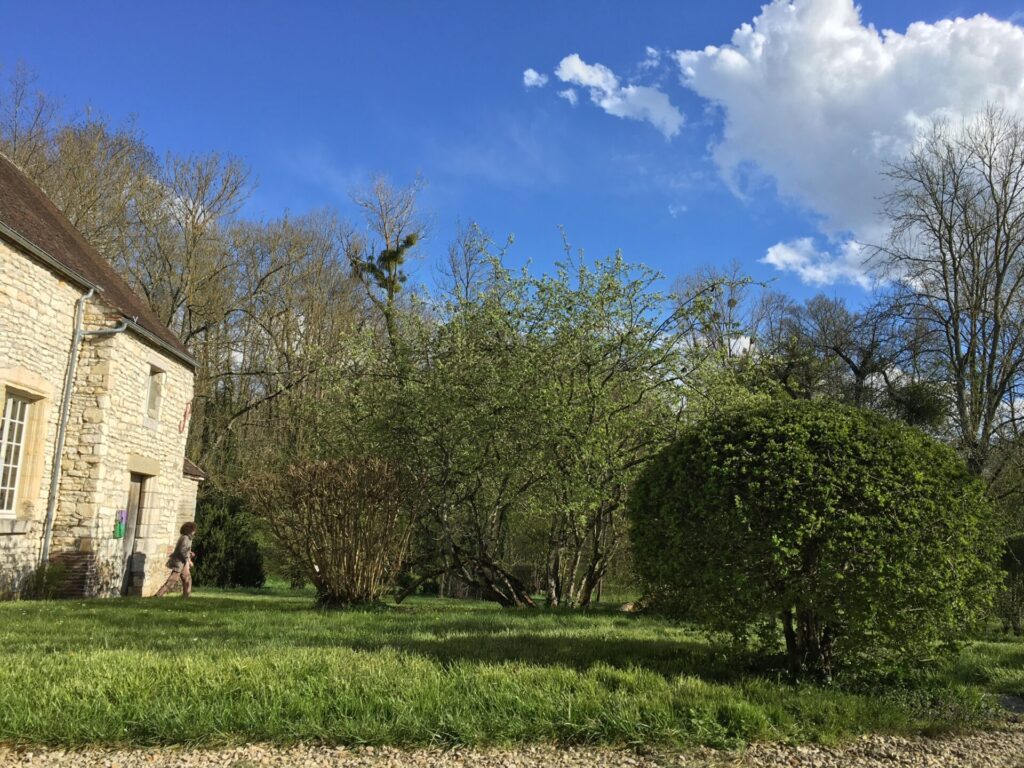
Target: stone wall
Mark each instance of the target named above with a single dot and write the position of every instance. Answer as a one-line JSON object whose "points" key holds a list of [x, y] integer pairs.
{"points": [[36, 322], [134, 443], [110, 436]]}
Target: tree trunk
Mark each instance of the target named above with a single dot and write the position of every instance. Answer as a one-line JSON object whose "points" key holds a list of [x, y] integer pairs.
{"points": [[591, 581], [809, 643], [506, 589], [554, 578], [498, 585], [404, 593], [793, 655]]}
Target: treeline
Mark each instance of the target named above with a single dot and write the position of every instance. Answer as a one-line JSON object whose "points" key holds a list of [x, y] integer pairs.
{"points": [[487, 429], [260, 304]]}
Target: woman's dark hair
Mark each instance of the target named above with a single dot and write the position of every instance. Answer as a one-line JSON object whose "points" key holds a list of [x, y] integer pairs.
{"points": [[188, 528]]}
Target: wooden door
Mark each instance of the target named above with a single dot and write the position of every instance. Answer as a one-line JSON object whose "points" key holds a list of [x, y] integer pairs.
{"points": [[134, 507]]}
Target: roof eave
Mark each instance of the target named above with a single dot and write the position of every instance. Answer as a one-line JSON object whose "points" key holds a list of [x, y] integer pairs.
{"points": [[156, 340], [27, 245], [20, 240], [192, 471]]}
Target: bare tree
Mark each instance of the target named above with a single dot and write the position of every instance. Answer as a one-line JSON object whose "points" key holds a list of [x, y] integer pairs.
{"points": [[957, 215], [465, 267], [178, 254], [729, 318], [92, 170], [260, 305], [27, 120]]}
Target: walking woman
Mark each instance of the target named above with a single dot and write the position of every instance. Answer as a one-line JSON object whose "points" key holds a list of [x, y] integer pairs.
{"points": [[180, 562]]}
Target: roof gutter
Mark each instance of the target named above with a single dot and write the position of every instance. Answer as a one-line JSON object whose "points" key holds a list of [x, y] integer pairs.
{"points": [[25, 244], [154, 339]]}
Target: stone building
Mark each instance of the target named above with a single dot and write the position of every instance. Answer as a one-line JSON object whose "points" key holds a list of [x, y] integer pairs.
{"points": [[96, 393]]}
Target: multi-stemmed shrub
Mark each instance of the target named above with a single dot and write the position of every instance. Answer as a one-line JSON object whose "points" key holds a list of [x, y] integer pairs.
{"points": [[342, 524]]}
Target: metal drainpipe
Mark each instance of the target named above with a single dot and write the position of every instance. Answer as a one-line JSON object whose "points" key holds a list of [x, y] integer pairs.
{"points": [[120, 328], [62, 426], [65, 413]]}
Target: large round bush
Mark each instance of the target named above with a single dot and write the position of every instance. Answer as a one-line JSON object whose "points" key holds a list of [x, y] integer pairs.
{"points": [[864, 538]]}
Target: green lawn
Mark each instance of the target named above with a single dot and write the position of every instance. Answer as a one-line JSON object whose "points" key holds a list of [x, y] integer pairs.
{"points": [[235, 666]]}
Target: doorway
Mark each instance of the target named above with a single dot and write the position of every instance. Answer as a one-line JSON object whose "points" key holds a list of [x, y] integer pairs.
{"points": [[133, 517]]}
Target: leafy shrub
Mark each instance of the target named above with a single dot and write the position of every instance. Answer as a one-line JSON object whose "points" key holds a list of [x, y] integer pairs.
{"points": [[1010, 599], [868, 540], [343, 524], [227, 551]]}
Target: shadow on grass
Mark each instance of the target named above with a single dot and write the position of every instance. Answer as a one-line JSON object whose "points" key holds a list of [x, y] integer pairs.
{"points": [[665, 657], [445, 633]]}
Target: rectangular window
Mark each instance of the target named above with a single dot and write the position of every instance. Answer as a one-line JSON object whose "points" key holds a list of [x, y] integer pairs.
{"points": [[155, 394], [12, 442]]}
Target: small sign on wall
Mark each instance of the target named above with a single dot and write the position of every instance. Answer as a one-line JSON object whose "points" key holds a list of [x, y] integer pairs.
{"points": [[120, 522]]}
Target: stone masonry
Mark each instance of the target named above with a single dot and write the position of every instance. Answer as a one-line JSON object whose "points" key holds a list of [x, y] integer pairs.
{"points": [[110, 436]]}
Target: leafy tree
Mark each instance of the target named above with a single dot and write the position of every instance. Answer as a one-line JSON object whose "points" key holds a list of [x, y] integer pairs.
{"points": [[535, 402], [524, 406], [1010, 600], [469, 422], [608, 371], [226, 546], [868, 540]]}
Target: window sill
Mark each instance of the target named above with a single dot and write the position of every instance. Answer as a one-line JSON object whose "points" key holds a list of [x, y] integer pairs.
{"points": [[10, 526], [149, 423]]}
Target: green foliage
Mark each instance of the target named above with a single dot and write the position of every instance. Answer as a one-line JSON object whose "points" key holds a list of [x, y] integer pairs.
{"points": [[227, 550], [385, 270], [244, 667], [525, 406], [607, 372], [1010, 599], [869, 540], [920, 404]]}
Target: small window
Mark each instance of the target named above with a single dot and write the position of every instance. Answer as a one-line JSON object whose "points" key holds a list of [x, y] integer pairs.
{"points": [[155, 394], [12, 441]]}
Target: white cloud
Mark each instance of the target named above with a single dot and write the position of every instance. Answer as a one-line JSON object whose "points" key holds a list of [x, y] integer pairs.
{"points": [[820, 267], [636, 102], [569, 94], [818, 101], [534, 79], [652, 58]]}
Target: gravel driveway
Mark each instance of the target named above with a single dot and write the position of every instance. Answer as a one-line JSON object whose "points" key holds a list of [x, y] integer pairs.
{"points": [[994, 749]]}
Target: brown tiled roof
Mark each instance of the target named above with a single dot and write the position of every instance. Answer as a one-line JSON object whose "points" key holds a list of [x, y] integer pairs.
{"points": [[193, 471], [41, 227]]}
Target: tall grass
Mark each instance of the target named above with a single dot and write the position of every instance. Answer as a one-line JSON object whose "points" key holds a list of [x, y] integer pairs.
{"points": [[236, 666]]}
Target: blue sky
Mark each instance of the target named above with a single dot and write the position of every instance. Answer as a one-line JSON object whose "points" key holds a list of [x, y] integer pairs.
{"points": [[317, 96]]}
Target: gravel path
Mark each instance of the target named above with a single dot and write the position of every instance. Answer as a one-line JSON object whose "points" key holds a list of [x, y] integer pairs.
{"points": [[994, 749]]}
